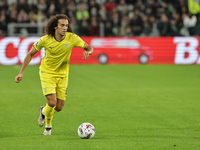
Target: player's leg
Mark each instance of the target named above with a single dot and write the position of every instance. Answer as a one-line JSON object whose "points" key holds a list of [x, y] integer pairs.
{"points": [[49, 90], [61, 93], [59, 105], [41, 119], [48, 110], [55, 102]]}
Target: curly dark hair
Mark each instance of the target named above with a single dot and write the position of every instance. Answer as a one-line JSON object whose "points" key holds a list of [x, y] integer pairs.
{"points": [[53, 22]]}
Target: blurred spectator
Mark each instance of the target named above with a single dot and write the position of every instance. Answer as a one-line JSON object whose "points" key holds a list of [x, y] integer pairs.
{"points": [[189, 22], [139, 5], [63, 10], [102, 11], [137, 23], [44, 18], [1, 33], [122, 5], [124, 12], [51, 12], [3, 23], [74, 25], [82, 12], [37, 15], [153, 6], [100, 1], [174, 28], [60, 5], [94, 27], [108, 29], [22, 16], [159, 11], [42, 5], [146, 26], [94, 12], [103, 19], [110, 5], [130, 8], [128, 32], [22, 5], [182, 8], [79, 1], [148, 11], [153, 25], [124, 25], [13, 16], [114, 11], [11, 2], [32, 2], [3, 5], [71, 9], [164, 25], [93, 6], [31, 15], [32, 29], [102, 15], [84, 27], [175, 15], [115, 24]]}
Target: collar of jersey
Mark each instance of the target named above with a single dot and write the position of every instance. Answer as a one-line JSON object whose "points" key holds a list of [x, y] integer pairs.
{"points": [[61, 40]]}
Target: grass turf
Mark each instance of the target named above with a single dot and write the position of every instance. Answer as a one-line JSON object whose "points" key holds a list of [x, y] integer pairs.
{"points": [[131, 106]]}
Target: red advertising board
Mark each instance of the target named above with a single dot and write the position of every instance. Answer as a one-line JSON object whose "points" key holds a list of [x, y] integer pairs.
{"points": [[112, 50]]}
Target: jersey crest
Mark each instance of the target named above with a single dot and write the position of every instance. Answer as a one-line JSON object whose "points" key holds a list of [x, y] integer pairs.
{"points": [[67, 45]]}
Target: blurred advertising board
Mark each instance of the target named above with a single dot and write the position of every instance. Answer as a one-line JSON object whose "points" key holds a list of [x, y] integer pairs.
{"points": [[112, 50]]}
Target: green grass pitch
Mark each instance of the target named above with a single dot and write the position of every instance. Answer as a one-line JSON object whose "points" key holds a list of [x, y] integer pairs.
{"points": [[133, 107]]}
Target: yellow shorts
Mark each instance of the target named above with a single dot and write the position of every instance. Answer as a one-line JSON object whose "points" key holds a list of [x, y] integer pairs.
{"points": [[57, 85]]}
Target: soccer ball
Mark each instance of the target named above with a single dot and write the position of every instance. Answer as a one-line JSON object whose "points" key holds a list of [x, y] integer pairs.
{"points": [[86, 131]]}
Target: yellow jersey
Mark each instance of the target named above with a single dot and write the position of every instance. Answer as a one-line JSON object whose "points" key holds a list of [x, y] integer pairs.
{"points": [[57, 53]]}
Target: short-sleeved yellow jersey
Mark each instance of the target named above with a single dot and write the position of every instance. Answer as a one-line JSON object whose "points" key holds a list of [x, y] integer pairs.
{"points": [[57, 53]]}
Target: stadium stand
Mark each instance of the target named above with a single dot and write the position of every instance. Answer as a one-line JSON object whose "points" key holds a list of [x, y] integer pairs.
{"points": [[101, 17]]}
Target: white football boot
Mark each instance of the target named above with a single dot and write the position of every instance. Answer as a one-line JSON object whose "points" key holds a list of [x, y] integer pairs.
{"points": [[47, 130], [41, 119]]}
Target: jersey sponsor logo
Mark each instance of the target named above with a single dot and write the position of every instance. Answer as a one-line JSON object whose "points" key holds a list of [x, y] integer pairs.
{"points": [[45, 89]]}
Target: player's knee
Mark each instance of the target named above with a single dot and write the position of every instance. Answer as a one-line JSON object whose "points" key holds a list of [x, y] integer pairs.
{"points": [[59, 108], [52, 103], [51, 100], [60, 104]]}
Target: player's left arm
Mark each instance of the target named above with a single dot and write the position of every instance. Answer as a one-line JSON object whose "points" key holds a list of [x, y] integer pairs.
{"points": [[88, 51]]}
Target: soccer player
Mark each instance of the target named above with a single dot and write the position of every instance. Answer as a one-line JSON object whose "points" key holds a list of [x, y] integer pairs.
{"points": [[58, 42]]}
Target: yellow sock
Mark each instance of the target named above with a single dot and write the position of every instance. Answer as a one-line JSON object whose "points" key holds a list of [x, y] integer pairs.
{"points": [[54, 111], [48, 115]]}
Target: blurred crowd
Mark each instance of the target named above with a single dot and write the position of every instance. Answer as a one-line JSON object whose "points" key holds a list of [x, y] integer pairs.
{"points": [[111, 17]]}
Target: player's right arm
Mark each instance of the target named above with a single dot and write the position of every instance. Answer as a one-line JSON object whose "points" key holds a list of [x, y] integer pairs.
{"points": [[27, 60]]}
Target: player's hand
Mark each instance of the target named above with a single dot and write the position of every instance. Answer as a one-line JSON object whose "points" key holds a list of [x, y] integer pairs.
{"points": [[86, 55], [18, 78]]}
